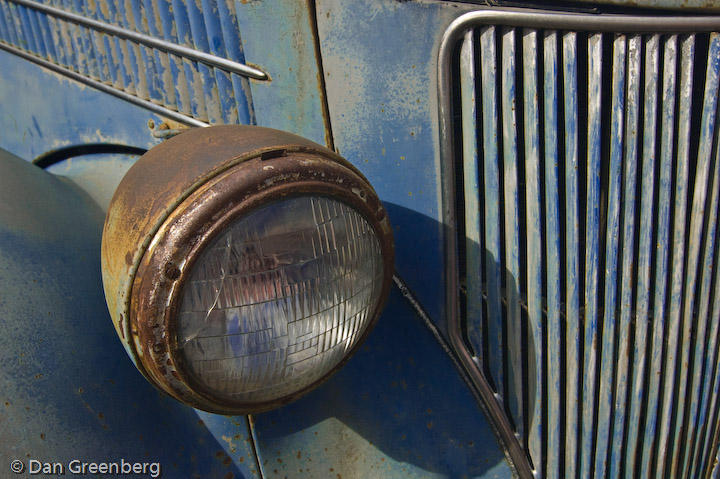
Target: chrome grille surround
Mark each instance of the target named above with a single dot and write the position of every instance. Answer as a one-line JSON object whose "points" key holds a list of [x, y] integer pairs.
{"points": [[547, 210]]}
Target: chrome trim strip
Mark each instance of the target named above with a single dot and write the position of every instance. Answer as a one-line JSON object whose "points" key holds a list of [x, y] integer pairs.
{"points": [[453, 34], [165, 46], [155, 108]]}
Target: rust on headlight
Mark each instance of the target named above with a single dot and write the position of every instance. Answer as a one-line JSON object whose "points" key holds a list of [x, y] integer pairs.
{"points": [[177, 198]]}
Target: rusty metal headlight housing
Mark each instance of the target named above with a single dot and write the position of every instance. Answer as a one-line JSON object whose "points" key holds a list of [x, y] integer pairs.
{"points": [[243, 265]]}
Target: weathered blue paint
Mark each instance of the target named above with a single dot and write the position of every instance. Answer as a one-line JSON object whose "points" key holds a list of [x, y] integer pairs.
{"points": [[491, 176], [678, 258], [515, 365], [27, 30], [592, 246], [701, 187], [233, 51], [106, 11], [82, 36], [612, 248], [627, 248], [34, 123], [552, 253], [278, 34], [174, 20], [383, 112], [66, 388], [148, 70], [533, 205], [163, 80], [215, 45], [687, 49], [651, 446], [198, 38], [193, 72], [572, 255], [645, 250]]}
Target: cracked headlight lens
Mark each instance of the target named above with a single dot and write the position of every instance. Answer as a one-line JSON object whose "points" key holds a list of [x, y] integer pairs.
{"points": [[276, 301], [243, 265]]}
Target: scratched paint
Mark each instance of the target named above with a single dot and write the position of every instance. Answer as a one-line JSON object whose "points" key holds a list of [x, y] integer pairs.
{"points": [[629, 178], [212, 94], [491, 175], [552, 253]]}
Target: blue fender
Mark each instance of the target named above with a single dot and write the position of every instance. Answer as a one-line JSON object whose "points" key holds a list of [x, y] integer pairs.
{"points": [[67, 389]]}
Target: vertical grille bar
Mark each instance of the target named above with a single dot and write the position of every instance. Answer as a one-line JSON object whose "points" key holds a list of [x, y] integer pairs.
{"points": [[512, 232], [612, 247], [552, 249], [492, 207], [473, 234], [687, 52], [592, 248], [678, 259], [572, 264], [533, 225], [645, 256], [628, 252]]}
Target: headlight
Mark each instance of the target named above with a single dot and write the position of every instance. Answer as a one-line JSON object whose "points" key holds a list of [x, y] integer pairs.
{"points": [[243, 265]]}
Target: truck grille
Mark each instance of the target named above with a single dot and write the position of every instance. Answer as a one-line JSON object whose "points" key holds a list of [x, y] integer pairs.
{"points": [[584, 155]]}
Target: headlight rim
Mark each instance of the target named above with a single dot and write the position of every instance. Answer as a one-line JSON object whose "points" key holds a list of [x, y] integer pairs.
{"points": [[197, 220]]}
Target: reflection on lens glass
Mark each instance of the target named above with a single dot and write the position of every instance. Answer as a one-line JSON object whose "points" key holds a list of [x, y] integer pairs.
{"points": [[278, 299]]}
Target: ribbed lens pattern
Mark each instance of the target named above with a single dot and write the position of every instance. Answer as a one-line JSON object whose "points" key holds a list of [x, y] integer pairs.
{"points": [[279, 298]]}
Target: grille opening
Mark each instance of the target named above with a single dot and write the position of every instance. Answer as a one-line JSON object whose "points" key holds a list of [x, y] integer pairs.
{"points": [[506, 280], [612, 254]]}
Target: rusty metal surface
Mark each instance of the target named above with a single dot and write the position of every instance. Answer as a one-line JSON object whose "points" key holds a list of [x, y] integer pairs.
{"points": [[689, 5], [219, 174]]}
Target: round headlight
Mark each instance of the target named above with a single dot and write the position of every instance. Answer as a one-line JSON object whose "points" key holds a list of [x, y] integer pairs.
{"points": [[244, 265]]}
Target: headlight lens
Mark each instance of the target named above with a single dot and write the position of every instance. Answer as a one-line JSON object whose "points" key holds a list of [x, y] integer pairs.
{"points": [[277, 300]]}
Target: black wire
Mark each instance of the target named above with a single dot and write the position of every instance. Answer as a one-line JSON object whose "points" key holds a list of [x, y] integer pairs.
{"points": [[56, 156]]}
